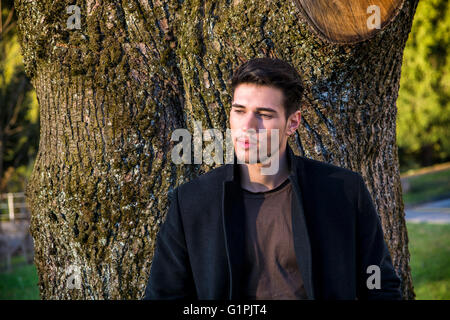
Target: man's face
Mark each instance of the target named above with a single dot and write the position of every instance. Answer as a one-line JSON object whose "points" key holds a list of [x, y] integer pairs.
{"points": [[256, 107]]}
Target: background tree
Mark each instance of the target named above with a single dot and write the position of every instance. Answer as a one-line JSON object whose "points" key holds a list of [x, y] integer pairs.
{"points": [[112, 91], [19, 112], [424, 97]]}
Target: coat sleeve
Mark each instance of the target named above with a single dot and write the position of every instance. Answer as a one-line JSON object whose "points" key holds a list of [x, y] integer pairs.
{"points": [[372, 251], [170, 273]]}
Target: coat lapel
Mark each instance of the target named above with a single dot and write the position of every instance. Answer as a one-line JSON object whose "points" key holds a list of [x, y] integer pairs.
{"points": [[302, 244], [234, 226]]}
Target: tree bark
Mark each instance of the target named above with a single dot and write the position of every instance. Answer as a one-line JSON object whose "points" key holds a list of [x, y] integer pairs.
{"points": [[112, 92]]}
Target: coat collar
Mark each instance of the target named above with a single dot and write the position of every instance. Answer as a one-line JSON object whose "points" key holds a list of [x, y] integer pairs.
{"points": [[234, 224]]}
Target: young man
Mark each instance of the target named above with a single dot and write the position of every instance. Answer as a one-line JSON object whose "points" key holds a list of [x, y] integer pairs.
{"points": [[308, 231]]}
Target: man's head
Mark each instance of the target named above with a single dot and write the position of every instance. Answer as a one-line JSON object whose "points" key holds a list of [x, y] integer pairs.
{"points": [[266, 94]]}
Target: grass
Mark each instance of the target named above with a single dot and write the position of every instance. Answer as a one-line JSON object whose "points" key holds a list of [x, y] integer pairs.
{"points": [[429, 246], [20, 283], [428, 187]]}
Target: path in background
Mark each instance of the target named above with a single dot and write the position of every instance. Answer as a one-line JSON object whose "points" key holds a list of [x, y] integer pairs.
{"points": [[432, 212]]}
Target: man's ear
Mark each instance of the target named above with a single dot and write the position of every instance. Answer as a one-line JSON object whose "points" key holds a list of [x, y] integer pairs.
{"points": [[293, 122]]}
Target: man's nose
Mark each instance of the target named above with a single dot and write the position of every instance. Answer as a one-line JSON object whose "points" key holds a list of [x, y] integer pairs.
{"points": [[250, 122]]}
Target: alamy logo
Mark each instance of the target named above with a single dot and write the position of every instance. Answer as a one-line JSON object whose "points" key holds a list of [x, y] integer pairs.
{"points": [[74, 279], [374, 281], [252, 147], [374, 21], [74, 21]]}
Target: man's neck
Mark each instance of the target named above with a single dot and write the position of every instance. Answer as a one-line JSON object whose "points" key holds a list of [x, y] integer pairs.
{"points": [[254, 181]]}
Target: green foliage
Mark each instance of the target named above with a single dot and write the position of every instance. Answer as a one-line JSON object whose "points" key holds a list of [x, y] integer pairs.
{"points": [[424, 95]]}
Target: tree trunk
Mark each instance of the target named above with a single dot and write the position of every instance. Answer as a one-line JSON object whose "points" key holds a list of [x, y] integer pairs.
{"points": [[112, 92]]}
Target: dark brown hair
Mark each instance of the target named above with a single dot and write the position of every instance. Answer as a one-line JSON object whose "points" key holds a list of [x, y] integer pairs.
{"points": [[275, 73]]}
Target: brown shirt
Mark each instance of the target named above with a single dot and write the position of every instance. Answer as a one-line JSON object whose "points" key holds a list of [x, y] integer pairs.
{"points": [[271, 267]]}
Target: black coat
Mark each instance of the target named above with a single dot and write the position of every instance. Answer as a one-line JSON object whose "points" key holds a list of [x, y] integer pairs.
{"points": [[337, 234]]}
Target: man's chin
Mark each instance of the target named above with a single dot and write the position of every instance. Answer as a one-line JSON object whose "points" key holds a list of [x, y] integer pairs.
{"points": [[245, 159]]}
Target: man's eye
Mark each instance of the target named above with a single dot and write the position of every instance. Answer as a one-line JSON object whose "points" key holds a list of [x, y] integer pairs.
{"points": [[238, 111], [266, 116]]}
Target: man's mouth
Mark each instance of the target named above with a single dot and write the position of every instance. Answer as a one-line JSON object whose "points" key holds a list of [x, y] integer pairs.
{"points": [[246, 142]]}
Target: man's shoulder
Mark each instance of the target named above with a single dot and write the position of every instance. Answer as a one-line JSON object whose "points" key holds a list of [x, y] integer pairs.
{"points": [[318, 168], [204, 184], [326, 173], [325, 179]]}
